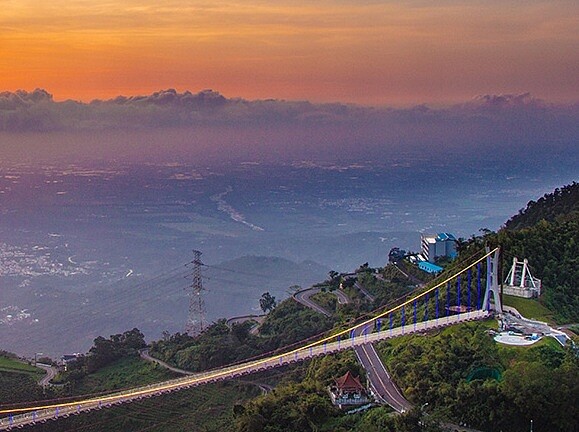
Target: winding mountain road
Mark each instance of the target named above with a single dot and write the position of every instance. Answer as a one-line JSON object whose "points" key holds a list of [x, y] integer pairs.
{"points": [[148, 357], [19, 417], [51, 372], [380, 381], [382, 385], [303, 297], [364, 292]]}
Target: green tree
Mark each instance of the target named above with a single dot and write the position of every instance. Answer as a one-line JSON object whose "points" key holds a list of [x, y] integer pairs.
{"points": [[267, 302], [299, 407]]}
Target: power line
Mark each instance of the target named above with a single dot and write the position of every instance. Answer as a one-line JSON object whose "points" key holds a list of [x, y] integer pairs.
{"points": [[238, 271], [197, 315]]}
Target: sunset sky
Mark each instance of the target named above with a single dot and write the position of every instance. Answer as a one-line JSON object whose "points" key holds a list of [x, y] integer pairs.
{"points": [[363, 51]]}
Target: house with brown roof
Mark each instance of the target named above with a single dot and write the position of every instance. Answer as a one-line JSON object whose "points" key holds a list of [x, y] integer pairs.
{"points": [[348, 390]]}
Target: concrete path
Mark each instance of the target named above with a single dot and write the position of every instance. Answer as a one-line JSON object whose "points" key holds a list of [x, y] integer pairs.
{"points": [[30, 415], [303, 297], [51, 372], [265, 388], [148, 357], [364, 291]]}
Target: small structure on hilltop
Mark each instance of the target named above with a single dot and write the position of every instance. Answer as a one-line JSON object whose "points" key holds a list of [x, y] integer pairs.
{"points": [[67, 359], [396, 254], [348, 390], [520, 282]]}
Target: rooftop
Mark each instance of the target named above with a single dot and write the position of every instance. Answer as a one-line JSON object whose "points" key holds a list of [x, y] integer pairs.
{"points": [[429, 267], [445, 236], [349, 382]]}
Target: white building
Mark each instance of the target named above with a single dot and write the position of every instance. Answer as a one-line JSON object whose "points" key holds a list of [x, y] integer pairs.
{"points": [[440, 245]]}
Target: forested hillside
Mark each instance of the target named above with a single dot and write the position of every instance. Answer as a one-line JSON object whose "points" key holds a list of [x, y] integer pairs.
{"points": [[546, 232], [457, 374], [18, 380], [552, 249], [464, 375], [550, 207]]}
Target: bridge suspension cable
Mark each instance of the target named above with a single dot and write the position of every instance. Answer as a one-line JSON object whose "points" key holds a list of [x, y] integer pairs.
{"points": [[447, 295]]}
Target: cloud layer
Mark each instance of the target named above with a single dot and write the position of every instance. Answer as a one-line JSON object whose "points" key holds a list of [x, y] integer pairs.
{"points": [[23, 111], [288, 129]]}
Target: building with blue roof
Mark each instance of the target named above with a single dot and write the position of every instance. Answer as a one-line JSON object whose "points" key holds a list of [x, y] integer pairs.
{"points": [[429, 267], [444, 237], [435, 246]]}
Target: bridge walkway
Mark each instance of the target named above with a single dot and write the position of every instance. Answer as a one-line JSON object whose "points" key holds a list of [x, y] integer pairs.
{"points": [[32, 415]]}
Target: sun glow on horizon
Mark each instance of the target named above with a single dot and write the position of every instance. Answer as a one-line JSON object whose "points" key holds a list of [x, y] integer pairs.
{"points": [[372, 52]]}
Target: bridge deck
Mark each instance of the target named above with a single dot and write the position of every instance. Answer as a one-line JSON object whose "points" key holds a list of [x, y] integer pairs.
{"points": [[33, 415]]}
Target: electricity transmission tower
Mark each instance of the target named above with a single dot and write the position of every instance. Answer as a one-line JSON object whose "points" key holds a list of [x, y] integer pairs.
{"points": [[197, 314]]}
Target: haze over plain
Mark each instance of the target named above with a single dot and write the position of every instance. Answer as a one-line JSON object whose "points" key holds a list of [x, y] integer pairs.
{"points": [[339, 128]]}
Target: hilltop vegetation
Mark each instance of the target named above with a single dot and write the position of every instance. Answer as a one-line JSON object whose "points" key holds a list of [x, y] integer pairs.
{"points": [[289, 322], [19, 387], [552, 249], [304, 405], [460, 374], [18, 380], [9, 362], [546, 232], [110, 364], [207, 408], [456, 373], [561, 204], [219, 344], [122, 373], [105, 352]]}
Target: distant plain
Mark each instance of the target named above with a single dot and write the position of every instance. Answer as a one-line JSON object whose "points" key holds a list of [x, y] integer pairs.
{"points": [[96, 249]]}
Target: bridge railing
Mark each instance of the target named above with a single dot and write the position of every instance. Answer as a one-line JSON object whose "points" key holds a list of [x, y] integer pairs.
{"points": [[455, 299], [45, 413]]}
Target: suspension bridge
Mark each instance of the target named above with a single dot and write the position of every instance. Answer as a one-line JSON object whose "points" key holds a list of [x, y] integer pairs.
{"points": [[471, 293]]}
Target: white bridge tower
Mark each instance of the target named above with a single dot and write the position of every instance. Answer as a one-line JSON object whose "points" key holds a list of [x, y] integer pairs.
{"points": [[493, 282]]}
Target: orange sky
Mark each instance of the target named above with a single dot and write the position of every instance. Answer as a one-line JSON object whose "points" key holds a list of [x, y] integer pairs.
{"points": [[368, 52]]}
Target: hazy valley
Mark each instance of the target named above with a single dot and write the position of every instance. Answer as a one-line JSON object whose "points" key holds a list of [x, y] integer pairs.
{"points": [[95, 249]]}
